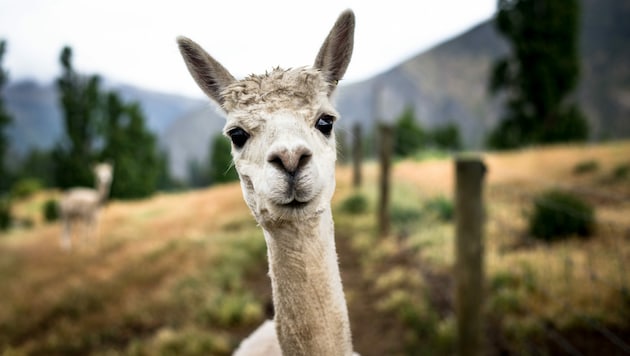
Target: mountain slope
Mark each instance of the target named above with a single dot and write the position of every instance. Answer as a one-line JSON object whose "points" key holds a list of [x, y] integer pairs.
{"points": [[188, 138], [37, 117], [448, 83]]}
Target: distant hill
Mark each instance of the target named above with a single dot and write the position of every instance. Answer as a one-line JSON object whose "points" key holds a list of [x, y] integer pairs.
{"points": [[449, 82], [38, 122], [36, 116], [446, 84], [605, 46], [188, 137]]}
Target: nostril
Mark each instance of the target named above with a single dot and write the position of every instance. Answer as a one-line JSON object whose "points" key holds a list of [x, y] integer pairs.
{"points": [[290, 161], [304, 159], [283, 162], [276, 161]]}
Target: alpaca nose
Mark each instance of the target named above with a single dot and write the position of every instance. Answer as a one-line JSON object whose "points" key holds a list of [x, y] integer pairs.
{"points": [[290, 160]]}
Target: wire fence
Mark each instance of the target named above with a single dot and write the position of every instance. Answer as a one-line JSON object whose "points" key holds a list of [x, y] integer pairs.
{"points": [[576, 299]]}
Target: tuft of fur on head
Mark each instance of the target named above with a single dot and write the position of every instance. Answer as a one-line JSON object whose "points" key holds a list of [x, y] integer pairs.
{"points": [[280, 88]]}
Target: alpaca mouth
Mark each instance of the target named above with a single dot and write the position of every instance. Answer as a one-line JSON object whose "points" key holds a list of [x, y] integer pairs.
{"points": [[296, 204]]}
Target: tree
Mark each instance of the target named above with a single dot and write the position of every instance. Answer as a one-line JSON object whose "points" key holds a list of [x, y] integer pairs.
{"points": [[409, 136], [131, 148], [197, 174], [5, 121], [221, 169], [446, 137], [100, 126], [80, 102], [37, 164], [540, 74]]}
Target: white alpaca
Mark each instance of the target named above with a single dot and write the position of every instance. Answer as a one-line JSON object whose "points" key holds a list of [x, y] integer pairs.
{"points": [[283, 147], [82, 205]]}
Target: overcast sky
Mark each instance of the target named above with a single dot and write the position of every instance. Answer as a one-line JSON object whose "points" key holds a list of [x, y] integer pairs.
{"points": [[133, 41]]}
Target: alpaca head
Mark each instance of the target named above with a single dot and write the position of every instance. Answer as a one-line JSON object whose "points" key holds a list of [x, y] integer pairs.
{"points": [[104, 173], [281, 126]]}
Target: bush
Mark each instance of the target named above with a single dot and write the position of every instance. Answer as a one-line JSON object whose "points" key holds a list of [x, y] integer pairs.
{"points": [[621, 172], [559, 214], [355, 204], [585, 167], [446, 137], [25, 187], [5, 213], [51, 210], [409, 136], [442, 207], [405, 215]]}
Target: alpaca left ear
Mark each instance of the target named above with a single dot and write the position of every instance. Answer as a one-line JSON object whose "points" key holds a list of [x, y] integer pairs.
{"points": [[209, 74], [334, 55]]}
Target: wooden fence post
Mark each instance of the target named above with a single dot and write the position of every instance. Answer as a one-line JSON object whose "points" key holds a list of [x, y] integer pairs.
{"points": [[385, 157], [357, 155], [469, 250]]}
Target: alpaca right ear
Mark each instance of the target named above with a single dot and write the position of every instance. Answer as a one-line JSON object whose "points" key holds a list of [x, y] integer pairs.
{"points": [[334, 55], [209, 74]]}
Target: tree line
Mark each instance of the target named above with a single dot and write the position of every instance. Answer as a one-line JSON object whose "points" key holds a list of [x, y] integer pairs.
{"points": [[98, 126], [537, 81]]}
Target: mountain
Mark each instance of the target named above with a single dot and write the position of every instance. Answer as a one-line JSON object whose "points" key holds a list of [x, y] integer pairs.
{"points": [[188, 137], [37, 118], [160, 109], [449, 82], [604, 92], [446, 84]]}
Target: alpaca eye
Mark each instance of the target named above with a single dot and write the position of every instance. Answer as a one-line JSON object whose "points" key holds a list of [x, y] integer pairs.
{"points": [[325, 124], [238, 136]]}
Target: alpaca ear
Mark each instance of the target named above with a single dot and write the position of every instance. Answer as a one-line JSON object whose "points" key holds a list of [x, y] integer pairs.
{"points": [[209, 74], [334, 55]]}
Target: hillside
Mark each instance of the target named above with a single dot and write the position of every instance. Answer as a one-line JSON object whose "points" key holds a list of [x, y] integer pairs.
{"points": [[448, 83], [37, 115], [185, 273], [444, 84], [188, 137]]}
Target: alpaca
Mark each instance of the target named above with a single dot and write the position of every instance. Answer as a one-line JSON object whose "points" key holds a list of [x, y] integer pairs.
{"points": [[83, 204], [284, 150]]}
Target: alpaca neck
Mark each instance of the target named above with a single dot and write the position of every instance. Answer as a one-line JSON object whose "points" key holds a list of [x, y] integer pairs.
{"points": [[311, 313], [103, 191]]}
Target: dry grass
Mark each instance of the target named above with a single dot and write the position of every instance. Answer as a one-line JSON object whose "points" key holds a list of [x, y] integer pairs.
{"points": [[139, 289], [185, 273], [572, 285]]}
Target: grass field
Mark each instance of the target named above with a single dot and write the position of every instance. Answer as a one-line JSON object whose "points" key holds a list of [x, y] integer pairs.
{"points": [[185, 274]]}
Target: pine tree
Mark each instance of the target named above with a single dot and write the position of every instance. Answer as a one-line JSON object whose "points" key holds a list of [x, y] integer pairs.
{"points": [[540, 74], [100, 126], [5, 121], [409, 136], [80, 102], [132, 149]]}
